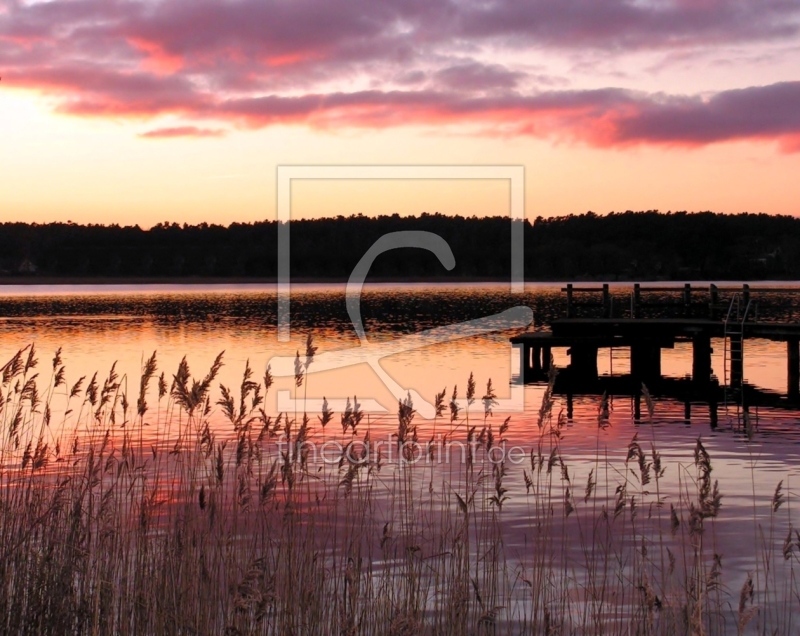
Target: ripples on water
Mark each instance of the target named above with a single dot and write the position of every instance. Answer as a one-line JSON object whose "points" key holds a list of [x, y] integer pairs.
{"points": [[95, 328]]}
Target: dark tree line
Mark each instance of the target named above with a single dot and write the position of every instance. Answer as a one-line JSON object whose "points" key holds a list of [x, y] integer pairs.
{"points": [[628, 245]]}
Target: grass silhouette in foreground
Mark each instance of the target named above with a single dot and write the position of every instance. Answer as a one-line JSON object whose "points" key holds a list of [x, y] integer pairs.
{"points": [[185, 526]]}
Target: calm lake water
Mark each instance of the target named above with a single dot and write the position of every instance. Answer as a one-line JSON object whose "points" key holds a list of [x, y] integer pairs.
{"points": [[97, 326]]}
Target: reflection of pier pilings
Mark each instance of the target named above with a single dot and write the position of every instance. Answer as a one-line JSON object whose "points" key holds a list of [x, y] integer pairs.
{"points": [[697, 399], [534, 362], [793, 367], [583, 337], [701, 357], [646, 362], [583, 362], [645, 338]]}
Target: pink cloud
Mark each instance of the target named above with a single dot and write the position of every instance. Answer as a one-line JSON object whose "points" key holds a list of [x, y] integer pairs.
{"points": [[254, 63], [605, 118], [182, 131], [156, 59]]}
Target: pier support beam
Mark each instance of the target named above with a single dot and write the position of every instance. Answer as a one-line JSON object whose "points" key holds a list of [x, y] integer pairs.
{"points": [[793, 367], [687, 299], [701, 358], [546, 352], [536, 362], [583, 362], [713, 390], [646, 362], [570, 308], [713, 303], [525, 370]]}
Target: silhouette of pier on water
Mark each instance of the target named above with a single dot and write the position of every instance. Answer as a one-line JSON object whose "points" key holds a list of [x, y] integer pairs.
{"points": [[699, 315]]}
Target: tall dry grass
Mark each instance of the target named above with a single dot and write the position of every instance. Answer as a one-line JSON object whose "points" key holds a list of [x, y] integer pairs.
{"points": [[134, 514]]}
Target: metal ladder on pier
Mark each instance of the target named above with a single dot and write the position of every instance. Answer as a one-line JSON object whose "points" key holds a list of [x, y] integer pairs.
{"points": [[734, 352]]}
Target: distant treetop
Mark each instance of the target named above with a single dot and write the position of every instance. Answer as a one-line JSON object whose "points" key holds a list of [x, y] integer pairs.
{"points": [[628, 245]]}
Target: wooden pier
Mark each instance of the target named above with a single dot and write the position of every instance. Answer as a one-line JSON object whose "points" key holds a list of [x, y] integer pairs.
{"points": [[733, 320]]}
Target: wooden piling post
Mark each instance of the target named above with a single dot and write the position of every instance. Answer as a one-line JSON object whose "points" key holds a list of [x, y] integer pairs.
{"points": [[713, 406], [523, 362], [570, 309], [637, 298], [793, 367], [606, 302], [654, 363], [745, 296], [546, 353], [701, 358], [636, 362], [583, 362], [646, 362], [687, 299], [713, 302]]}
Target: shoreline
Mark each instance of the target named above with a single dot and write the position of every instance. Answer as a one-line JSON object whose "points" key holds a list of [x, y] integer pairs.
{"points": [[189, 281], [219, 280]]}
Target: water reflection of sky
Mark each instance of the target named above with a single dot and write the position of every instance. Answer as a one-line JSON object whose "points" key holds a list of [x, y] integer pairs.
{"points": [[96, 327]]}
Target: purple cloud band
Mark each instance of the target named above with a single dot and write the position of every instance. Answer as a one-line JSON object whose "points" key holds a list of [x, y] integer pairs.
{"points": [[257, 63]]}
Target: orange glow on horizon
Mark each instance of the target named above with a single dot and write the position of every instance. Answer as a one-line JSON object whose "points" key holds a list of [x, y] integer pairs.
{"points": [[89, 170]]}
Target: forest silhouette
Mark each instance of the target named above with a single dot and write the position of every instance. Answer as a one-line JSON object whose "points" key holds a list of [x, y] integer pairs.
{"points": [[630, 245]]}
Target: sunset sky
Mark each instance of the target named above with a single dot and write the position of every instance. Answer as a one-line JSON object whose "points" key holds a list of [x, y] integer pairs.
{"points": [[146, 111]]}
